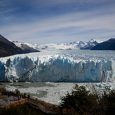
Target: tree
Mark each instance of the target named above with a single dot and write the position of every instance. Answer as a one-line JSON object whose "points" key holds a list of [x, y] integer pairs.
{"points": [[80, 100], [17, 93], [107, 102]]}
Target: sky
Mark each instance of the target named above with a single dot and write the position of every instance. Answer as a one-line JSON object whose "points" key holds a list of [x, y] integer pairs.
{"points": [[56, 21]]}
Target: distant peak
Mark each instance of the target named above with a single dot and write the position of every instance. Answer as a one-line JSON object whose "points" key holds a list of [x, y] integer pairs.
{"points": [[112, 39], [92, 40], [1, 36]]}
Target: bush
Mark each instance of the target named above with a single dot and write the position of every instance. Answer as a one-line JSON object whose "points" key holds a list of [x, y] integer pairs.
{"points": [[80, 100], [24, 109], [107, 102], [84, 102], [2, 89]]}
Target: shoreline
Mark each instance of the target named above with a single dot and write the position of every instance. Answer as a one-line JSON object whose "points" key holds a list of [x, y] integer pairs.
{"points": [[34, 103]]}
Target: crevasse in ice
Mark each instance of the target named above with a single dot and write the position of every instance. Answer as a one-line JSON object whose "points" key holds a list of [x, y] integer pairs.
{"points": [[55, 68]]}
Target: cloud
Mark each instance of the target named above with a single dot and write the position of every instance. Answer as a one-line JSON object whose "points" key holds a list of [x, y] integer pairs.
{"points": [[76, 23], [58, 2], [72, 25]]}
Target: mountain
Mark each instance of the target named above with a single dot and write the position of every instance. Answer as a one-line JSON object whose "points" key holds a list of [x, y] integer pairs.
{"points": [[90, 44], [8, 48], [69, 46], [26, 47], [83, 45], [106, 45]]}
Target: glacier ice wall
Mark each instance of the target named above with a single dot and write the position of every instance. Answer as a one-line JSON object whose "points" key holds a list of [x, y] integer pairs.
{"points": [[56, 68], [2, 72]]}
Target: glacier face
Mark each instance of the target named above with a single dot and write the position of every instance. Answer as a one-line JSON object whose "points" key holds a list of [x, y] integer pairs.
{"points": [[54, 68], [2, 72]]}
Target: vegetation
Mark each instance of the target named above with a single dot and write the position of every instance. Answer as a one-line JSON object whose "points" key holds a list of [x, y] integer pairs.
{"points": [[16, 93], [78, 102], [107, 102], [83, 102], [25, 109], [2, 89]]}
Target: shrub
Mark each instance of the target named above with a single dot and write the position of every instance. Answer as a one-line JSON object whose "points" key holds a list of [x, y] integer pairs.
{"points": [[80, 100], [107, 102]]}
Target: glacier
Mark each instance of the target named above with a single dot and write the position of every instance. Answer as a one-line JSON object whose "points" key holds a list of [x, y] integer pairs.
{"points": [[56, 68]]}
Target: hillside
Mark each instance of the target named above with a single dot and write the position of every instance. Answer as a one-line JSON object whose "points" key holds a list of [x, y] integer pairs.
{"points": [[26, 47], [106, 45], [8, 48]]}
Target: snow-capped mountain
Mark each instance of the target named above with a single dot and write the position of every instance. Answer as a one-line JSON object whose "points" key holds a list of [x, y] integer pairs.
{"points": [[79, 45], [106, 45], [72, 45], [59, 46], [8, 48], [89, 44], [26, 46], [85, 45]]}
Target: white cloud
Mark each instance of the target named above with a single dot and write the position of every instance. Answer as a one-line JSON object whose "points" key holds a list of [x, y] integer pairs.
{"points": [[79, 25]]}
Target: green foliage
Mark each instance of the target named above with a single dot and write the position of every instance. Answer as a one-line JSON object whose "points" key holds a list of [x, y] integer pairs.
{"points": [[82, 101], [17, 92], [107, 102], [78, 102], [2, 90]]}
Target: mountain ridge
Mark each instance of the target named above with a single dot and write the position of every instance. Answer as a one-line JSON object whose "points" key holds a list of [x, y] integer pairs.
{"points": [[106, 45], [8, 48], [63, 46]]}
